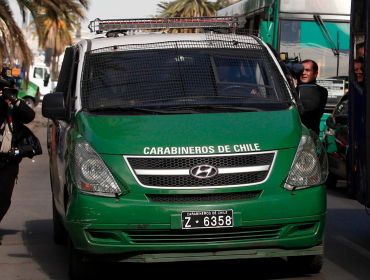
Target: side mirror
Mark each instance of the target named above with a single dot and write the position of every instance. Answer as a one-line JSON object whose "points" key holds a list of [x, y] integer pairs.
{"points": [[341, 119], [46, 80], [53, 106]]}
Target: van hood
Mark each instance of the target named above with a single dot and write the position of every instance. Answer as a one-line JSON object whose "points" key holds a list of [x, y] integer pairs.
{"points": [[191, 133]]}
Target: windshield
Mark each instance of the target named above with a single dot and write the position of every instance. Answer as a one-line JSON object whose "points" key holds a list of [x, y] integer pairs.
{"points": [[166, 79]]}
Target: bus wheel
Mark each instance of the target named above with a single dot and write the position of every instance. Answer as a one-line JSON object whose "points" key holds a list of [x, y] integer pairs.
{"points": [[307, 264], [29, 102], [331, 181]]}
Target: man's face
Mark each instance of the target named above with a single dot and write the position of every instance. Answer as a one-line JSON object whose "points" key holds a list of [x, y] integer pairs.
{"points": [[358, 72], [308, 75]]}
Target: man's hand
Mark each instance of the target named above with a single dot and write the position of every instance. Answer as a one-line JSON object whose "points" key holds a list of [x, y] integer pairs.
{"points": [[13, 96], [6, 100]]}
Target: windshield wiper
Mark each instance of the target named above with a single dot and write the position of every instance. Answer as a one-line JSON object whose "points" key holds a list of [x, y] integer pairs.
{"points": [[215, 108], [127, 110]]}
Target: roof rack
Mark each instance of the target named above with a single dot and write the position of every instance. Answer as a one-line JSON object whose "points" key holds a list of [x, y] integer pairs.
{"points": [[99, 26]]}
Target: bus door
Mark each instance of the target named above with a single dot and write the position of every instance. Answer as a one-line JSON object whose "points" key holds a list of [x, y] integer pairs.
{"points": [[359, 103]]}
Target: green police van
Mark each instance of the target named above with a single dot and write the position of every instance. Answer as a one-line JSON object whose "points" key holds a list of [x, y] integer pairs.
{"points": [[181, 147]]}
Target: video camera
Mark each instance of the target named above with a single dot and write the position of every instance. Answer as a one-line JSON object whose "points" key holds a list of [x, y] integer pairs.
{"points": [[294, 65], [7, 80]]}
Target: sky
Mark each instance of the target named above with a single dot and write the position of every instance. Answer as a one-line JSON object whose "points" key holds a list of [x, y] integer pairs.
{"points": [[108, 9]]}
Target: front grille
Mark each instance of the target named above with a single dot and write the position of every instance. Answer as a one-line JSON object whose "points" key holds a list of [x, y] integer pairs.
{"points": [[219, 180], [188, 162], [195, 236], [175, 172], [215, 197]]}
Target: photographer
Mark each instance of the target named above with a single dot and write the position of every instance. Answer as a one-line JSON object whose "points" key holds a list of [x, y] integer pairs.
{"points": [[14, 113]]}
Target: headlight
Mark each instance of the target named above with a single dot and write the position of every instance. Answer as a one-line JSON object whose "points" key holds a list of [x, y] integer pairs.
{"points": [[91, 174], [307, 169]]}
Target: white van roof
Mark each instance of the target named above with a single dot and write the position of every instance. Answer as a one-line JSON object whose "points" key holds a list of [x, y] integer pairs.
{"points": [[100, 43]]}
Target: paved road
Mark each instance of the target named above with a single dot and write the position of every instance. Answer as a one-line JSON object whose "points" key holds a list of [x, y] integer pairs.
{"points": [[28, 251]]}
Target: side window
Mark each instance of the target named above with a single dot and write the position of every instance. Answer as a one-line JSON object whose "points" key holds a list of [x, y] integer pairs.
{"points": [[65, 72], [70, 97], [38, 73]]}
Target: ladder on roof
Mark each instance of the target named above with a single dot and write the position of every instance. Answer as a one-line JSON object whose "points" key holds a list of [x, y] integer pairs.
{"points": [[99, 26]]}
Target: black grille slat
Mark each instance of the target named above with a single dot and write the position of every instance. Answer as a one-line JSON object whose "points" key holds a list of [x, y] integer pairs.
{"points": [[215, 235], [219, 180], [188, 162], [189, 198]]}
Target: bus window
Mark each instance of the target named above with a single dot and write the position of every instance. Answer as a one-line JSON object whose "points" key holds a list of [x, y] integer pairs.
{"points": [[256, 25], [306, 40]]}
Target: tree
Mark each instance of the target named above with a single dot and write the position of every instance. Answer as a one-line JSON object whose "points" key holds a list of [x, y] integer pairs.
{"points": [[59, 14], [13, 44], [220, 4], [55, 25], [186, 8]]}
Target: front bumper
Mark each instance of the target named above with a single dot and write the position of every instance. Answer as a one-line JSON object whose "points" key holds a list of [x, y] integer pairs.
{"points": [[206, 256], [132, 228]]}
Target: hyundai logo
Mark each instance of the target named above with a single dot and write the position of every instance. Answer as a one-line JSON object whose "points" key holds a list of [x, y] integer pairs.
{"points": [[203, 171]]}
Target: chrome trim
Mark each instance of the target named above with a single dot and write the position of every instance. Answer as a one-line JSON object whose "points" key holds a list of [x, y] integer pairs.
{"points": [[209, 171], [178, 172], [126, 157]]}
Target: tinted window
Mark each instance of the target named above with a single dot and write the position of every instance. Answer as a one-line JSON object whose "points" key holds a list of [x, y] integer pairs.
{"points": [[168, 78]]}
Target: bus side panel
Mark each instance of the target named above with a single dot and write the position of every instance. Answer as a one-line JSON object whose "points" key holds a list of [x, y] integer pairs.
{"points": [[359, 117]]}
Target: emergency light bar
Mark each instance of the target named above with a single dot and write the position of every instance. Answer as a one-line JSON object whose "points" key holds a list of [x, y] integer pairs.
{"points": [[100, 26]]}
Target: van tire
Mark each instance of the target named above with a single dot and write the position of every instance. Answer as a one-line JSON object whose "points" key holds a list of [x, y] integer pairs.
{"points": [[78, 268], [331, 181], [60, 234], [29, 101], [307, 264]]}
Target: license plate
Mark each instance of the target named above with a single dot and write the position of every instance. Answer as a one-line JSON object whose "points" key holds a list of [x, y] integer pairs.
{"points": [[207, 219]]}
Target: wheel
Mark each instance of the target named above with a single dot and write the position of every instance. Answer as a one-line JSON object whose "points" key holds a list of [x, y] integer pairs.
{"points": [[76, 263], [78, 268], [331, 181], [60, 233], [29, 102], [307, 264]]}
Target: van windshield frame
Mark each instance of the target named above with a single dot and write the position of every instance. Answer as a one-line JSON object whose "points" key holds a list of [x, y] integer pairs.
{"points": [[170, 77]]}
